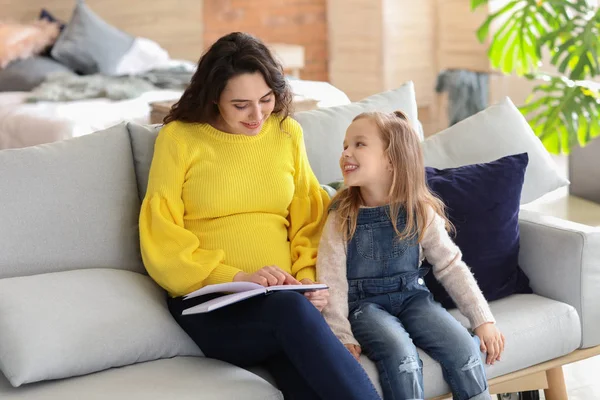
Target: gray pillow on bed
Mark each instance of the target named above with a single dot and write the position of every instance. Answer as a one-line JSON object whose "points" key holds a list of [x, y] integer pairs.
{"points": [[24, 75], [89, 44]]}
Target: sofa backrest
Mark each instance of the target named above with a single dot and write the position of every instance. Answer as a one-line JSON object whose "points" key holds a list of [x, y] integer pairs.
{"points": [[70, 205]]}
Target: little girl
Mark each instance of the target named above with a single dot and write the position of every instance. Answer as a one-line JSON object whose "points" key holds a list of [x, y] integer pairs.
{"points": [[380, 227]]}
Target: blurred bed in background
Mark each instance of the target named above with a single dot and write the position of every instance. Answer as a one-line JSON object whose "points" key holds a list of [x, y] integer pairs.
{"points": [[67, 71]]}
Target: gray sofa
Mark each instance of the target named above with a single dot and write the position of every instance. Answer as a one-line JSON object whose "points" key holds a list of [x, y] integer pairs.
{"points": [[80, 319]]}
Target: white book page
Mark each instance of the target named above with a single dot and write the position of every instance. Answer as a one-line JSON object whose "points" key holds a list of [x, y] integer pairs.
{"points": [[229, 287]]}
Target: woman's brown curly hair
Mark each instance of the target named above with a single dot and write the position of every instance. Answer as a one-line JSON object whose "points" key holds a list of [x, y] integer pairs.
{"points": [[231, 55]]}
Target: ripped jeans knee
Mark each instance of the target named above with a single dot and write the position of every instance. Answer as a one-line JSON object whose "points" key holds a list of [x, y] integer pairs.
{"points": [[409, 365], [472, 362], [401, 378], [467, 378]]}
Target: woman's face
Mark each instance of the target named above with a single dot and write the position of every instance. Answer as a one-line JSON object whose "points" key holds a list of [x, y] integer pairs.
{"points": [[245, 104]]}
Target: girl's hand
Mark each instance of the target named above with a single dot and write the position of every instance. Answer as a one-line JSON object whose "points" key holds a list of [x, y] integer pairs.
{"points": [[354, 350], [270, 275], [318, 298], [492, 341]]}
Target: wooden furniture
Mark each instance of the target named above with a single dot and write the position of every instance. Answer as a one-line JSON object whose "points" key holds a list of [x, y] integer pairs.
{"points": [[159, 110]]}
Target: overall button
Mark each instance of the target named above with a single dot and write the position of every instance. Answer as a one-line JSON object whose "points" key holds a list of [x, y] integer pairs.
{"points": [[420, 281]]}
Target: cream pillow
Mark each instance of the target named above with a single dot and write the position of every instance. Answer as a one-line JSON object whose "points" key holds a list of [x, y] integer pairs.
{"points": [[498, 131], [324, 128]]}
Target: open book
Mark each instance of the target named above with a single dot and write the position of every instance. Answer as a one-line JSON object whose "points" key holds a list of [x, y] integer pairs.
{"points": [[234, 292]]}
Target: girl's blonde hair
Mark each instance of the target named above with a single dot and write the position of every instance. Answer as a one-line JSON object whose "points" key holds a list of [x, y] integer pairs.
{"points": [[409, 188]]}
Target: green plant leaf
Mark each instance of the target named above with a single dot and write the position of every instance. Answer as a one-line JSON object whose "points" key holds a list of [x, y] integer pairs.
{"points": [[500, 45], [484, 29], [574, 45], [584, 132], [564, 113], [514, 46], [477, 3]]}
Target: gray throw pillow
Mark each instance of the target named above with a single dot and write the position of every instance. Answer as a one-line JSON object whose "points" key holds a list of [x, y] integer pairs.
{"points": [[89, 44], [142, 146], [65, 324], [24, 75], [70, 204]]}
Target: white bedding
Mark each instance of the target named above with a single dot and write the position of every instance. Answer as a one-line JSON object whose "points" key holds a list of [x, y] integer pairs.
{"points": [[28, 124]]}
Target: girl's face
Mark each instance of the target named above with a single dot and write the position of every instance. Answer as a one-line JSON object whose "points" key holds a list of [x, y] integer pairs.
{"points": [[245, 104], [364, 162]]}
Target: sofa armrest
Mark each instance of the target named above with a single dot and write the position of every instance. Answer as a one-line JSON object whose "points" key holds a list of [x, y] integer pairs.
{"points": [[562, 260]]}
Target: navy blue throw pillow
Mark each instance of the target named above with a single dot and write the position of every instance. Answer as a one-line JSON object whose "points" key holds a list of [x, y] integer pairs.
{"points": [[47, 15], [482, 202]]}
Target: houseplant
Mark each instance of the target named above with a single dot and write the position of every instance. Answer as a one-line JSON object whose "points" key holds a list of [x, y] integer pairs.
{"points": [[564, 108]]}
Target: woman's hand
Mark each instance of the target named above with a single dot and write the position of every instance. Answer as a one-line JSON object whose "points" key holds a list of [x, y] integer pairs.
{"points": [[270, 275], [355, 350], [318, 298], [492, 341]]}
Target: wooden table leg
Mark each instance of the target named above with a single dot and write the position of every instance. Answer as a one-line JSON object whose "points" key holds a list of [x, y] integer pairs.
{"points": [[557, 389]]}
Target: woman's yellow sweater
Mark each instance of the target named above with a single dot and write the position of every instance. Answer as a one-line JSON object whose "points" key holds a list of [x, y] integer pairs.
{"points": [[220, 203]]}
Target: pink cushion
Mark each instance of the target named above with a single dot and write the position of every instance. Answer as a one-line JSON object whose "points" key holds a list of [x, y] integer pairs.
{"points": [[20, 41]]}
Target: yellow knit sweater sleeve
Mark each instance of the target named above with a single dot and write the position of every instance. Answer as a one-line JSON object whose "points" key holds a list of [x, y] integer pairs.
{"points": [[170, 252], [307, 210]]}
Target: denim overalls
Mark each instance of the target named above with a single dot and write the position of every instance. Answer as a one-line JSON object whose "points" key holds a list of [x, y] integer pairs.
{"points": [[392, 313]]}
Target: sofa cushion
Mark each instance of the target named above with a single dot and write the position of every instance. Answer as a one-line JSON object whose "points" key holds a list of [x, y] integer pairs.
{"points": [[71, 204], [73, 323], [495, 132], [325, 128], [181, 378], [89, 44], [537, 329], [482, 203]]}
